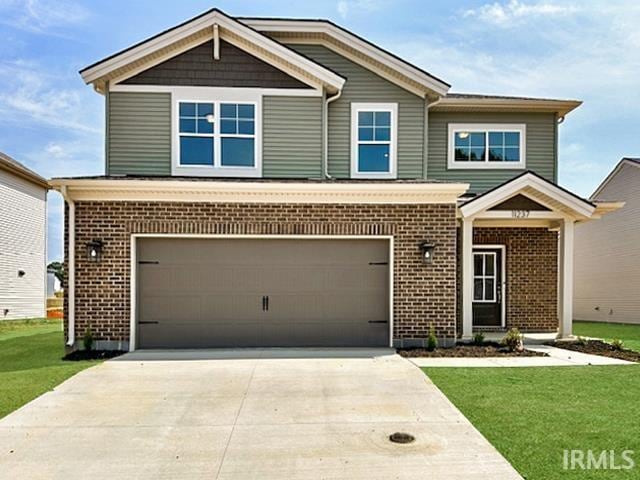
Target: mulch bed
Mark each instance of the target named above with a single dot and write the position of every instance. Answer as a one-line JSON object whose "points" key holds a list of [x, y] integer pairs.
{"points": [[598, 347], [487, 349], [93, 355]]}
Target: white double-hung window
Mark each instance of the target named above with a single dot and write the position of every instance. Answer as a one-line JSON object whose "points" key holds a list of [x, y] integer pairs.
{"points": [[492, 146], [374, 140], [214, 137]]}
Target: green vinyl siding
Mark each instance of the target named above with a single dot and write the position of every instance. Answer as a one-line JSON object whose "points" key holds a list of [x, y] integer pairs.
{"points": [[362, 85], [292, 137], [139, 133], [540, 147]]}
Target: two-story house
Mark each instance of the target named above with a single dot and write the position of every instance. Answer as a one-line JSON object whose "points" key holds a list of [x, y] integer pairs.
{"points": [[274, 182]]}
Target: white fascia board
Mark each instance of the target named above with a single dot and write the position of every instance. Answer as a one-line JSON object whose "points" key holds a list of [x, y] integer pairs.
{"points": [[266, 25], [260, 192], [562, 107], [580, 207], [103, 68]]}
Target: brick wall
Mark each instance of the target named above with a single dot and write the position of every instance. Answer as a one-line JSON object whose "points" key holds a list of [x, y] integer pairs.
{"points": [[532, 275], [424, 294]]}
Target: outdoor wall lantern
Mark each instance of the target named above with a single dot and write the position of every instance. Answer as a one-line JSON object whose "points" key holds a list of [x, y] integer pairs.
{"points": [[94, 250], [427, 248]]}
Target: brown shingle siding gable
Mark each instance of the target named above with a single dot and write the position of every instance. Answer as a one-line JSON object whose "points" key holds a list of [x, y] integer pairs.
{"points": [[196, 67]]}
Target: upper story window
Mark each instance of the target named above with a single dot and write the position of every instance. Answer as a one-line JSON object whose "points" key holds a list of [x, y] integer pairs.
{"points": [[491, 146], [216, 137], [373, 140], [196, 127], [237, 134]]}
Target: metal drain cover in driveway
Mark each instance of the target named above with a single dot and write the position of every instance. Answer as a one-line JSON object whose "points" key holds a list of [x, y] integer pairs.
{"points": [[400, 437]]}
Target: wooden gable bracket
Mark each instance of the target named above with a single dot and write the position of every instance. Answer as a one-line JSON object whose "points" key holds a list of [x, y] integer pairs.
{"points": [[216, 42]]}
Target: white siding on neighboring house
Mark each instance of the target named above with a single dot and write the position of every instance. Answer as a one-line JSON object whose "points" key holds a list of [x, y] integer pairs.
{"points": [[607, 255], [22, 248]]}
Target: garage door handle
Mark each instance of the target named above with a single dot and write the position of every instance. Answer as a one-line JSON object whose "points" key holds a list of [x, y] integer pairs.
{"points": [[142, 322], [378, 263], [378, 321], [267, 297]]}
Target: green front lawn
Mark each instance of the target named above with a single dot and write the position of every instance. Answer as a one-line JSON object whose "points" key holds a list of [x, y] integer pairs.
{"points": [[31, 361], [532, 414], [629, 334]]}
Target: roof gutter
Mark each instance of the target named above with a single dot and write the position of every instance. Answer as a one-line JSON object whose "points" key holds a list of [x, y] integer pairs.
{"points": [[71, 266], [325, 133]]}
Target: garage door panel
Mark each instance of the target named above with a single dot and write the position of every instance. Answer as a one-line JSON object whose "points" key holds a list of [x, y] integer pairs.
{"points": [[154, 278], [209, 293], [231, 307]]}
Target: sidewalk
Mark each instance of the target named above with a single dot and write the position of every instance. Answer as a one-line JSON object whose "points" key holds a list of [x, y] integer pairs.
{"points": [[558, 357]]}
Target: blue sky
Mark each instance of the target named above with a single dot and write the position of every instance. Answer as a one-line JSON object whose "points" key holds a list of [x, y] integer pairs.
{"points": [[590, 51]]}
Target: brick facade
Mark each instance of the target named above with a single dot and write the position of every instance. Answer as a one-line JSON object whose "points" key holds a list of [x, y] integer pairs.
{"points": [[424, 294], [532, 275]]}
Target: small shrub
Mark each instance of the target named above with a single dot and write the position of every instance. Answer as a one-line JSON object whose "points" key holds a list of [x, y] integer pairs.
{"points": [[581, 341], [87, 339], [512, 340], [617, 344], [478, 338], [432, 341]]}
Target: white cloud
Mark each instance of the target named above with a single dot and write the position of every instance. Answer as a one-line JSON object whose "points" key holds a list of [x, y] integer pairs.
{"points": [[30, 92], [591, 57], [510, 13], [344, 7], [41, 16]]}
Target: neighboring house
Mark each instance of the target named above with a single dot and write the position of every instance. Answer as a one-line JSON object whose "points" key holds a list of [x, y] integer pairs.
{"points": [[23, 242], [273, 182], [607, 253], [53, 284]]}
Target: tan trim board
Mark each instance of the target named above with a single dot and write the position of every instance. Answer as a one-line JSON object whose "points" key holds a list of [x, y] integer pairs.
{"points": [[259, 192], [562, 200], [562, 107]]}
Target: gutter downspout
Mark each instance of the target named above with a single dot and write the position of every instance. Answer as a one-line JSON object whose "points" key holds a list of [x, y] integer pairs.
{"points": [[71, 252], [556, 166], [325, 131], [425, 156]]}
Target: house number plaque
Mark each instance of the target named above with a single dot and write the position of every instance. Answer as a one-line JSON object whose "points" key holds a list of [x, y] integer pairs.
{"points": [[520, 213]]}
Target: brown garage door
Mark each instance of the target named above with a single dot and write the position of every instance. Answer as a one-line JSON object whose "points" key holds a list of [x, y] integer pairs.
{"points": [[197, 293]]}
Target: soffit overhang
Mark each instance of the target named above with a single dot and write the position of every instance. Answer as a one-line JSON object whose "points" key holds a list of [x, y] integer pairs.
{"points": [[506, 105], [354, 48], [259, 192]]}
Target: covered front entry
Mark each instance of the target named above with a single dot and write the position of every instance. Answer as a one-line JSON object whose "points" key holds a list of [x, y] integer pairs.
{"points": [[533, 219], [262, 292]]}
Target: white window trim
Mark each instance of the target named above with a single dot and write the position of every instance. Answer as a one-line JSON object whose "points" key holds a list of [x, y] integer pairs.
{"points": [[215, 96], [393, 144], [520, 128]]}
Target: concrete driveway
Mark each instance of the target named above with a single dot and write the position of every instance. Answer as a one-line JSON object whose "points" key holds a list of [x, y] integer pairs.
{"points": [[294, 414]]}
